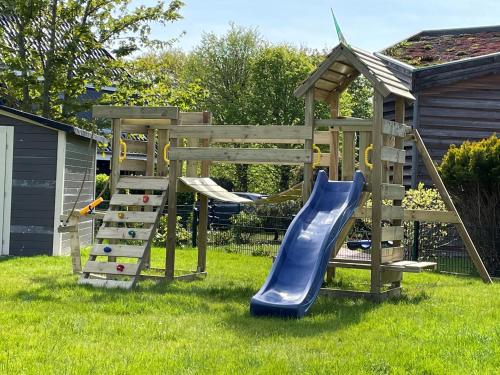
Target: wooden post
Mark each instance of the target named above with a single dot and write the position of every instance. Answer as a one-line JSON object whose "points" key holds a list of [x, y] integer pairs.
{"points": [[348, 156], [203, 214], [436, 179], [309, 121], [74, 243], [333, 170], [376, 252], [150, 168], [172, 216], [115, 158]]}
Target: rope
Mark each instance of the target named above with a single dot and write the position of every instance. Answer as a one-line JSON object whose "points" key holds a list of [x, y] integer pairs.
{"points": [[89, 160]]}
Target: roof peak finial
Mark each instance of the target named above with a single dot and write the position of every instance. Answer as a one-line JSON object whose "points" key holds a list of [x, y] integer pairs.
{"points": [[341, 37]]}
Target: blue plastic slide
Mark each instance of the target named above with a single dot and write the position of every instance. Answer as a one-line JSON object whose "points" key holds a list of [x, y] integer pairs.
{"points": [[297, 273]]}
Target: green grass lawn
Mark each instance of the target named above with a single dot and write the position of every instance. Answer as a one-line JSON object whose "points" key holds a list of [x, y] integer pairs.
{"points": [[48, 324]]}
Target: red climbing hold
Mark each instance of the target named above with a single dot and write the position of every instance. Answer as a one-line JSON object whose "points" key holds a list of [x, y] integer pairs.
{"points": [[120, 267], [145, 198]]}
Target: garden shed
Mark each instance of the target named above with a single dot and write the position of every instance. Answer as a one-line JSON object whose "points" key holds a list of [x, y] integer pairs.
{"points": [[42, 164], [454, 75]]}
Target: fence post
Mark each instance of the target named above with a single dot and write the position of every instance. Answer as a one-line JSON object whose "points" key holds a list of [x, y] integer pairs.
{"points": [[416, 239]]}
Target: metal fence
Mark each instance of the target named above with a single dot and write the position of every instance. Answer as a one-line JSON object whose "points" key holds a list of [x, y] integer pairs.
{"points": [[245, 230]]}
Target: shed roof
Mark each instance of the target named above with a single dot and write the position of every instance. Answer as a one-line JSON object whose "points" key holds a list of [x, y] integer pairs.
{"points": [[342, 65], [56, 125], [435, 47]]}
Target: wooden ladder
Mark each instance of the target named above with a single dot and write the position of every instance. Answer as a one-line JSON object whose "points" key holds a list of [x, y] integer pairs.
{"points": [[133, 216]]}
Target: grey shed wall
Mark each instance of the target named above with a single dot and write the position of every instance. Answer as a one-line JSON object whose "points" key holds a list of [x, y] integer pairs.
{"points": [[33, 188], [77, 159]]}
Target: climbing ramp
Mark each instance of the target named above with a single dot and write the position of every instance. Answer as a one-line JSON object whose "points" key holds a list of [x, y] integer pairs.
{"points": [[209, 188], [124, 239]]}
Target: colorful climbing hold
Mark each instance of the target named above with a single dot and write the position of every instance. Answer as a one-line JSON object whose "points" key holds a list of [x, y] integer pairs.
{"points": [[131, 233], [145, 198], [120, 267], [107, 249], [121, 215]]}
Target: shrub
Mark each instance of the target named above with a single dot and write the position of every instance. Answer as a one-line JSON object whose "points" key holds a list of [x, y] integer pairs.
{"points": [[182, 236], [471, 172], [100, 183], [244, 224]]}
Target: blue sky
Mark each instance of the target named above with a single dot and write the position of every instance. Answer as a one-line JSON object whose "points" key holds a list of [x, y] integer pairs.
{"points": [[371, 25]]}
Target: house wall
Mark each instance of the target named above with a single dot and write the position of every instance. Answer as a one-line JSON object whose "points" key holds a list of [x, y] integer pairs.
{"points": [[76, 161], [454, 113], [33, 188]]}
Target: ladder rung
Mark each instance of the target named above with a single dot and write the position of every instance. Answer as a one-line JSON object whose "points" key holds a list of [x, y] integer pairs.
{"points": [[130, 217], [111, 233], [111, 268], [121, 284], [143, 183], [135, 200], [119, 250]]}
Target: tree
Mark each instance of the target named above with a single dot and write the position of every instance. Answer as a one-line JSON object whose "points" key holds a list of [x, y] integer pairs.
{"points": [[157, 79], [223, 66], [54, 48]]}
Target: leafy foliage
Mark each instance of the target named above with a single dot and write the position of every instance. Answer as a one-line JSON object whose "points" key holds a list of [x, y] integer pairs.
{"points": [[55, 49], [101, 181], [182, 236]]}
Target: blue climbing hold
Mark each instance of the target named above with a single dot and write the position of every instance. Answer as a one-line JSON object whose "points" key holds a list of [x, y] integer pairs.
{"points": [[131, 233], [107, 249]]}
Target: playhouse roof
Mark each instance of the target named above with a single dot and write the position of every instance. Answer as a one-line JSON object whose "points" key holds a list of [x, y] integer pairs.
{"points": [[434, 47], [342, 65]]}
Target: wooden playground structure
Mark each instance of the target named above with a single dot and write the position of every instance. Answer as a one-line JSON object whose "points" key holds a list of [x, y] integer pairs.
{"points": [[186, 143]]}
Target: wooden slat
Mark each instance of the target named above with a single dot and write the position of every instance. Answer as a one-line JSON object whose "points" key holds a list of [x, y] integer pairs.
{"points": [[391, 254], [348, 148], [392, 191], [130, 217], [345, 122], [128, 251], [395, 129], [343, 264], [133, 165], [134, 112], [388, 212], [134, 200], [140, 123], [122, 233], [393, 155], [321, 137], [138, 147], [242, 131], [324, 159], [241, 155], [143, 183], [409, 266], [110, 268], [432, 216], [191, 118], [109, 284], [392, 233]]}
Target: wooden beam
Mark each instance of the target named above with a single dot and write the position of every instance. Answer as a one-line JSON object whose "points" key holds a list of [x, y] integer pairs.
{"points": [[172, 217], [115, 157], [436, 179], [348, 155], [307, 156], [347, 123], [333, 168], [393, 155], [266, 132], [394, 128], [392, 191], [133, 165], [134, 112], [242, 155], [377, 196]]}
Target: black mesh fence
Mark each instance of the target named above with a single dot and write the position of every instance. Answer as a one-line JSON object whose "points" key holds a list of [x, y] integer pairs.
{"points": [[242, 229]]}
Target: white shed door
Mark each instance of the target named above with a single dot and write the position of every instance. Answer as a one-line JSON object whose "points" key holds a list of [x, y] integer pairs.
{"points": [[6, 149]]}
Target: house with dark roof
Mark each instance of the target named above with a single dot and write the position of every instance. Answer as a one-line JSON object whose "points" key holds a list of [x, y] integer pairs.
{"points": [[42, 165], [454, 75]]}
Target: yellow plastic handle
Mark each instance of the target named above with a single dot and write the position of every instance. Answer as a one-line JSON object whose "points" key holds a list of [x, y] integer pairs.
{"points": [[367, 157], [123, 151], [165, 150], [318, 157], [85, 210]]}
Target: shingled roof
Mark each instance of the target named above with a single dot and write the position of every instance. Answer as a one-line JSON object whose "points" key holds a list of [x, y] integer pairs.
{"points": [[434, 47], [342, 65]]}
